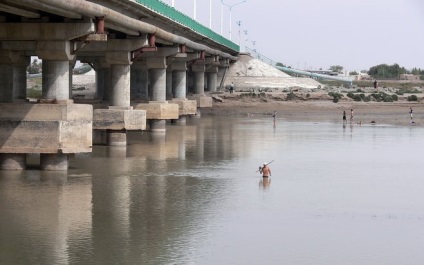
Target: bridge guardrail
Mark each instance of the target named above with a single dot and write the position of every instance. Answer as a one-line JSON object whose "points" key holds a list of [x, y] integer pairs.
{"points": [[177, 16]]}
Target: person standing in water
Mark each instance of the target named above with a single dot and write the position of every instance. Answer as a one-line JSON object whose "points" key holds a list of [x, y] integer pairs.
{"points": [[344, 117], [410, 112], [265, 171]]}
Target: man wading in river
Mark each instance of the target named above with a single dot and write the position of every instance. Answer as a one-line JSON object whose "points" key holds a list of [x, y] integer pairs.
{"points": [[265, 171]]}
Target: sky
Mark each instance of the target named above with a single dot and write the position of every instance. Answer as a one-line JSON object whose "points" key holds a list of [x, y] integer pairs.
{"points": [[314, 34]]}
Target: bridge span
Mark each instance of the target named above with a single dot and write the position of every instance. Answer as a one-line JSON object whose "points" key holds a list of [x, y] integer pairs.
{"points": [[152, 64]]}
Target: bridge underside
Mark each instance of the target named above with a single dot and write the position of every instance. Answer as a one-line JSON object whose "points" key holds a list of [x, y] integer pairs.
{"points": [[145, 75]]}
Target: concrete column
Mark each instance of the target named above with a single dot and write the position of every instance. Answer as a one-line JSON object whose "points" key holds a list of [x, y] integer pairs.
{"points": [[179, 78], [55, 80], [139, 81], [104, 87], [168, 84], [199, 78], [199, 83], [71, 76], [20, 78], [6, 83], [212, 78], [120, 82], [56, 56], [158, 126], [158, 82], [116, 138], [100, 83]]}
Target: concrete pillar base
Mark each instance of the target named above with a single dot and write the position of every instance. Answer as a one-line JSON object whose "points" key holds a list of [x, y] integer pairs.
{"points": [[182, 120], [158, 126], [117, 138], [54, 162], [12, 161]]}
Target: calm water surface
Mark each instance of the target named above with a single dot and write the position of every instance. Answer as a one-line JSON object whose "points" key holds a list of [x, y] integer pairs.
{"points": [[337, 195]]}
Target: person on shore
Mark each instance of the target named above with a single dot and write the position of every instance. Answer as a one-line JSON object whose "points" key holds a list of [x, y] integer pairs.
{"points": [[375, 84], [351, 115], [344, 117], [410, 112], [265, 170], [231, 88]]}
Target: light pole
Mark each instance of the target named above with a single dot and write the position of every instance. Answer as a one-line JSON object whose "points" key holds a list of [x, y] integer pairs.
{"points": [[231, 7], [210, 14], [194, 9]]}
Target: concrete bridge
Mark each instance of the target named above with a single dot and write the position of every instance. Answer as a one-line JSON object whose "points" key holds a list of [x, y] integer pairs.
{"points": [[146, 54]]}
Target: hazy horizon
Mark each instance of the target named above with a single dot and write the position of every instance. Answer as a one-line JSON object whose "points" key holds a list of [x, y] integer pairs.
{"points": [[318, 34]]}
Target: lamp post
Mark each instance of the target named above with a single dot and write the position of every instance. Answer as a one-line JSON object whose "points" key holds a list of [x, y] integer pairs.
{"points": [[210, 14], [194, 9], [231, 7]]}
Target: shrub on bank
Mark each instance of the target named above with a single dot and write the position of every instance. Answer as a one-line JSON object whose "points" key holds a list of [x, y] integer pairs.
{"points": [[412, 98], [336, 96]]}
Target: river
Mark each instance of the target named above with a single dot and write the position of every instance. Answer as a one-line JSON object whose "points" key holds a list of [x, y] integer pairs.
{"points": [[338, 194]]}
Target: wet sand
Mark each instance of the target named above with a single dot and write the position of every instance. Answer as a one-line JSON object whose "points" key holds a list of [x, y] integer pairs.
{"points": [[391, 113]]}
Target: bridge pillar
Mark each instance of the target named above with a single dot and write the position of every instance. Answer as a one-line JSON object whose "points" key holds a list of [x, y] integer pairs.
{"points": [[212, 73], [9, 161], [56, 56], [199, 86], [120, 88], [112, 122], [139, 81], [199, 78], [158, 110], [169, 92], [20, 78], [102, 80], [6, 75], [179, 84]]}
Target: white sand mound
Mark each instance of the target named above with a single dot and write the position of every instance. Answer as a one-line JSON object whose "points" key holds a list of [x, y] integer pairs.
{"points": [[248, 66], [249, 73]]}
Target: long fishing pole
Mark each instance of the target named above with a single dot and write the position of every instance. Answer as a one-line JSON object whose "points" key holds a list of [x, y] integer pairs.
{"points": [[262, 167]]}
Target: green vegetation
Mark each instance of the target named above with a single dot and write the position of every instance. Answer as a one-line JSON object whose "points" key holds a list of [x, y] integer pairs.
{"points": [[336, 68], [379, 97], [34, 93], [252, 95], [291, 96], [387, 71], [35, 67], [336, 96], [412, 98]]}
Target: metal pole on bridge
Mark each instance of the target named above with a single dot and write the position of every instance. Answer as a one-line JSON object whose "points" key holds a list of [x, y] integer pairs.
{"points": [[231, 7], [194, 9]]}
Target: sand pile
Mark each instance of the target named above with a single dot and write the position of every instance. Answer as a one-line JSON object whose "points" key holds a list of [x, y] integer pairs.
{"points": [[250, 74]]}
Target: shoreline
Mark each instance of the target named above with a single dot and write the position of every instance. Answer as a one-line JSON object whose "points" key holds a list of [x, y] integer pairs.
{"points": [[390, 113]]}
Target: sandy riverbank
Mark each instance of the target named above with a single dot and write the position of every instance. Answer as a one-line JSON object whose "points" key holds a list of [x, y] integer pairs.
{"points": [[391, 113]]}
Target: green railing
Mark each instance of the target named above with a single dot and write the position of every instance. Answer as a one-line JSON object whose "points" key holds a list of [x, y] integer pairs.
{"points": [[175, 15]]}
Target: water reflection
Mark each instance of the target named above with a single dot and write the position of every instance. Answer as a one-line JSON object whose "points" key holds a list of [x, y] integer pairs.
{"points": [[192, 197], [265, 183]]}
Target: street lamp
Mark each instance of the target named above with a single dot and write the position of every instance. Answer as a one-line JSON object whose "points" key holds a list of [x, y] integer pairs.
{"points": [[194, 9], [231, 7]]}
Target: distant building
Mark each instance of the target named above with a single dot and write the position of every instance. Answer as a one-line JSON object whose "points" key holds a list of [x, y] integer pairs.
{"points": [[362, 76], [409, 77]]}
